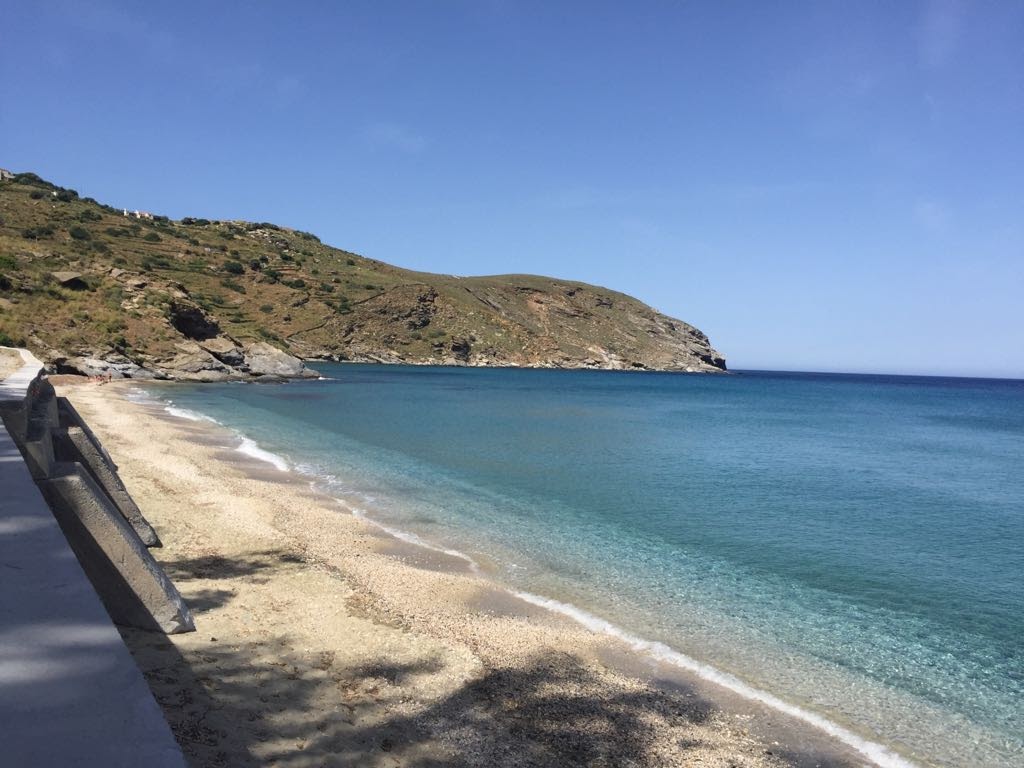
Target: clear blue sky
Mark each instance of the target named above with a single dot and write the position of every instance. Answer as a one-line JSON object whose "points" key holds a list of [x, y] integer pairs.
{"points": [[818, 186]]}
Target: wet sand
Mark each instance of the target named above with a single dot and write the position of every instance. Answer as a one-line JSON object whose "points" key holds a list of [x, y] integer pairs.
{"points": [[323, 641]]}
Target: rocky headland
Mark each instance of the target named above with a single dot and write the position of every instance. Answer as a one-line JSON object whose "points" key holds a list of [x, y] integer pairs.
{"points": [[97, 290]]}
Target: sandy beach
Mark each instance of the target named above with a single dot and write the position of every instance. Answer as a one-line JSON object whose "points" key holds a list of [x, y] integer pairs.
{"points": [[323, 641]]}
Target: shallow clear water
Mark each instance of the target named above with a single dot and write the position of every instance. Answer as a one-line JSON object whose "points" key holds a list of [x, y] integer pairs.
{"points": [[851, 544]]}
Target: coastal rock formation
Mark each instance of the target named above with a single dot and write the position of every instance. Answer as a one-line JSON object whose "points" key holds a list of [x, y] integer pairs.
{"points": [[194, 363], [213, 300], [264, 360], [191, 321], [112, 364], [224, 349]]}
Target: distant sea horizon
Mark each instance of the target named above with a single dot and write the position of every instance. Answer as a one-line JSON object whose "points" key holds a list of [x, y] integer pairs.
{"points": [[849, 544], [984, 377]]}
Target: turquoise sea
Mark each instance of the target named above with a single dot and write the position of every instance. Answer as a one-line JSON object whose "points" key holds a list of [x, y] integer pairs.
{"points": [[849, 548]]}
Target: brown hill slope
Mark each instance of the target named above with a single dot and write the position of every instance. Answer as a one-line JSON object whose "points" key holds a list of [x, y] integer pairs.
{"points": [[90, 289]]}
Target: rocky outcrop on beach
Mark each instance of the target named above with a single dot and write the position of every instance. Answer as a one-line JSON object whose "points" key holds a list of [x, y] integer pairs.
{"points": [[203, 353], [93, 291], [222, 360]]}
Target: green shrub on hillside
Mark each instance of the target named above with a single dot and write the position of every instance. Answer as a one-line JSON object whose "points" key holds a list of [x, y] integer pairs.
{"points": [[80, 233], [153, 262], [297, 283], [37, 233], [31, 178], [267, 308], [234, 268], [113, 295], [113, 325], [270, 335], [210, 302], [6, 340], [152, 237]]}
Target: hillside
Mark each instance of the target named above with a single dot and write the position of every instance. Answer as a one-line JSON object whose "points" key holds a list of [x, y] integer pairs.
{"points": [[89, 289]]}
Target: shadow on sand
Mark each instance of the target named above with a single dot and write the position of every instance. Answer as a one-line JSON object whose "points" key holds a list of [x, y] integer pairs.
{"points": [[234, 703]]}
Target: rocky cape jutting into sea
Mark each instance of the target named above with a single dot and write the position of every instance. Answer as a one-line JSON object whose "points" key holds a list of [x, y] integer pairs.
{"points": [[98, 290]]}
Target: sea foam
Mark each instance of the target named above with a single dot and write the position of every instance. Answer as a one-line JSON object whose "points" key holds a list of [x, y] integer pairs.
{"points": [[250, 447], [877, 753], [410, 538], [185, 413], [247, 445]]}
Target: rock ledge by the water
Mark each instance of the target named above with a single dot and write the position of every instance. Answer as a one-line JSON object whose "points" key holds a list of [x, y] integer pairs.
{"points": [[218, 359], [262, 359]]}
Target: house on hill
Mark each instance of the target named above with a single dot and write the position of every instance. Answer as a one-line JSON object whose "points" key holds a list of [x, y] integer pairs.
{"points": [[5, 174]]}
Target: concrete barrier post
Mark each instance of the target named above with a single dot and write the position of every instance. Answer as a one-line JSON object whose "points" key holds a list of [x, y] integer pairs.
{"points": [[73, 445], [131, 584]]}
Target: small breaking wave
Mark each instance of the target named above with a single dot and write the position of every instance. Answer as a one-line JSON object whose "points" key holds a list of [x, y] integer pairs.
{"points": [[185, 413], [247, 445], [250, 447], [145, 398], [410, 538], [877, 753]]}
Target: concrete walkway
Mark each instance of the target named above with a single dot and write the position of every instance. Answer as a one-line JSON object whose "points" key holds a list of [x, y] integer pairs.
{"points": [[70, 693]]}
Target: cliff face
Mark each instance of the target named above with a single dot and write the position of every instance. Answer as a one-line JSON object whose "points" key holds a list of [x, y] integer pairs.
{"points": [[90, 289]]}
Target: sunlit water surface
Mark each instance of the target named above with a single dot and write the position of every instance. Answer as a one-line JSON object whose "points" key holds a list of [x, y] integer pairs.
{"points": [[853, 545]]}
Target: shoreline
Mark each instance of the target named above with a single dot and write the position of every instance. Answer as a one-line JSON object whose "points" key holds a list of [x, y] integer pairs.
{"points": [[491, 628]]}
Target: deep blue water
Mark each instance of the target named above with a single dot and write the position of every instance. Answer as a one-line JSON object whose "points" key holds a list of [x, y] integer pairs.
{"points": [[852, 544]]}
